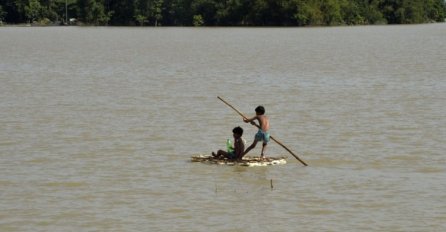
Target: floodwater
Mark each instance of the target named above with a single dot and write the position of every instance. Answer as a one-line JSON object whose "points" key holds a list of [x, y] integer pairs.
{"points": [[97, 126]]}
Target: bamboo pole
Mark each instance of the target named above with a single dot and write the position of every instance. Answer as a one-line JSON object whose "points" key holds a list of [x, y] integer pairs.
{"points": [[255, 124]]}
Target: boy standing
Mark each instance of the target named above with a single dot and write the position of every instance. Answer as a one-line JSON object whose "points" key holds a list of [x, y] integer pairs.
{"points": [[239, 146], [262, 134]]}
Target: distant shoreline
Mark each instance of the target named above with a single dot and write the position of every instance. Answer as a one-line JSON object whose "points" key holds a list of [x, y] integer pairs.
{"points": [[217, 26], [211, 13]]}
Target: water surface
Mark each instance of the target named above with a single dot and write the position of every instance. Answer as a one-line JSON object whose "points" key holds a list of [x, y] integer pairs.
{"points": [[97, 126]]}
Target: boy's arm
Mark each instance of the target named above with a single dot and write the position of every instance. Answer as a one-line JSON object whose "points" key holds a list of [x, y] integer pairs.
{"points": [[250, 119], [239, 148]]}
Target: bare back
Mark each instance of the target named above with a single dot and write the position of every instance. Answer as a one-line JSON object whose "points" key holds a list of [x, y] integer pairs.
{"points": [[239, 147], [264, 122]]}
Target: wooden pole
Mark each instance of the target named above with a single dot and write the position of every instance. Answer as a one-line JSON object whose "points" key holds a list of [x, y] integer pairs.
{"points": [[255, 124]]}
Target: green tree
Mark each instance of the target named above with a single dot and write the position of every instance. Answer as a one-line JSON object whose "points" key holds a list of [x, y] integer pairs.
{"points": [[435, 10], [141, 19], [352, 14], [372, 13], [227, 12], [142, 11], [331, 11], [177, 12], [149, 10], [198, 20], [2, 13], [33, 10], [231, 12], [392, 11], [15, 10], [157, 10], [207, 9], [49, 9], [300, 11], [311, 13], [123, 12], [92, 12], [413, 11], [269, 12]]}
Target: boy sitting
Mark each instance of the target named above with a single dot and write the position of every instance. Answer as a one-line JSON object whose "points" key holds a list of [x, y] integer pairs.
{"points": [[239, 146]]}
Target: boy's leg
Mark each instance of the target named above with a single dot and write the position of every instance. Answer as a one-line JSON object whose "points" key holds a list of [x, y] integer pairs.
{"points": [[230, 156], [262, 155], [219, 153], [265, 139], [249, 148]]}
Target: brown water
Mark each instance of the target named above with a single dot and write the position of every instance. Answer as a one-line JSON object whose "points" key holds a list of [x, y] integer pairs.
{"points": [[97, 126]]}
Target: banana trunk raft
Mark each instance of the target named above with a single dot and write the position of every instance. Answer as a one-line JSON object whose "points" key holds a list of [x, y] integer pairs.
{"points": [[249, 161]]}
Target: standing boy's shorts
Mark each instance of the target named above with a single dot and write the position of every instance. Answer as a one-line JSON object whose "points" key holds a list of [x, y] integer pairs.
{"points": [[262, 136]]}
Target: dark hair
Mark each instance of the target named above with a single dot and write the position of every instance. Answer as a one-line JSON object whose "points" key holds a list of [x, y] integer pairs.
{"points": [[238, 130], [260, 110]]}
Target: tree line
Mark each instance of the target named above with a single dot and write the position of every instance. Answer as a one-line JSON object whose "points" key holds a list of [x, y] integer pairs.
{"points": [[222, 12]]}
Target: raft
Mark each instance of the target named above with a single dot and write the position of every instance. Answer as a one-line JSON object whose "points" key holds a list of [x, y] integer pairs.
{"points": [[249, 161]]}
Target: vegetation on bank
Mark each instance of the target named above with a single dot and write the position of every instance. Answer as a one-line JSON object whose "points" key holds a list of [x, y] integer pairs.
{"points": [[222, 12]]}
